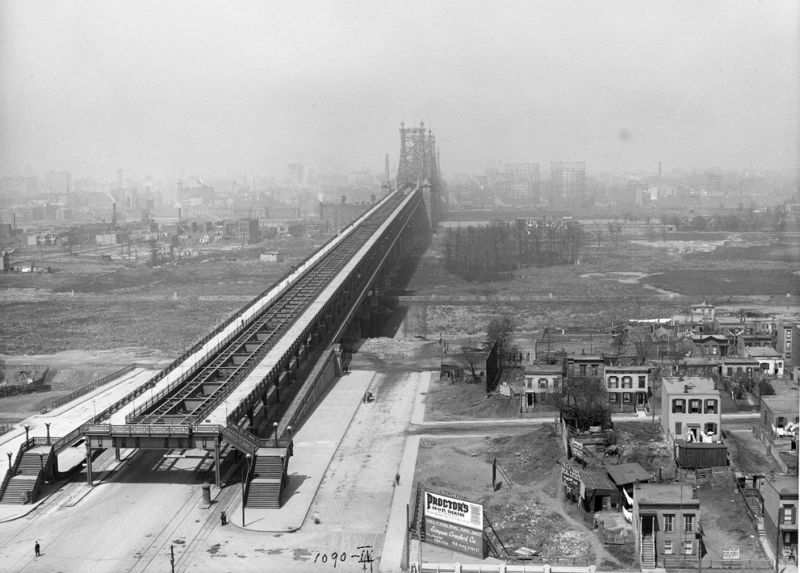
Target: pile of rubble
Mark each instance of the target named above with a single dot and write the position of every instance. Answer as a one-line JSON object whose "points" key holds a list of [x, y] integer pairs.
{"points": [[388, 346]]}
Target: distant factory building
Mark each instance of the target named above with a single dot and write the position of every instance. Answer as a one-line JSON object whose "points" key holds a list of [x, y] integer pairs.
{"points": [[272, 257], [106, 239], [568, 181], [248, 230]]}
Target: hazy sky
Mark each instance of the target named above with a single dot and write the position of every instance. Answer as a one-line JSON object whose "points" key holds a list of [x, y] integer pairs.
{"points": [[226, 87]]}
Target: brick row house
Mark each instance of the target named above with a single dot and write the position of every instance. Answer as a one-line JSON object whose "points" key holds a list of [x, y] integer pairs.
{"points": [[666, 523], [780, 495], [627, 387]]}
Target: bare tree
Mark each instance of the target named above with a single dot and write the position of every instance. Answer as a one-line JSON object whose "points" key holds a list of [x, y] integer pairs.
{"points": [[470, 359], [642, 341], [500, 330], [583, 403]]}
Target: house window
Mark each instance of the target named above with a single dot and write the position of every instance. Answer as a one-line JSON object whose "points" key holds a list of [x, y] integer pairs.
{"points": [[730, 370], [678, 406], [788, 514], [668, 548], [627, 382], [555, 383], [711, 428], [542, 383], [688, 522], [780, 421], [626, 397], [669, 523], [694, 407], [642, 381], [594, 369], [678, 428], [688, 547], [612, 397], [613, 382], [583, 369], [529, 383], [711, 406], [788, 334]]}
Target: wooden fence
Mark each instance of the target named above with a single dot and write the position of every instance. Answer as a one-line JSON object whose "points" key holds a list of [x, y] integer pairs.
{"points": [[671, 563]]}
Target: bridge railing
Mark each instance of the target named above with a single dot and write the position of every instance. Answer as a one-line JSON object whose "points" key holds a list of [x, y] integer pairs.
{"points": [[61, 443], [87, 388]]}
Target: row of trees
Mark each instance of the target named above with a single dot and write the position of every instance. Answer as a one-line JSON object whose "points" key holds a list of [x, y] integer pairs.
{"points": [[490, 253], [733, 221]]}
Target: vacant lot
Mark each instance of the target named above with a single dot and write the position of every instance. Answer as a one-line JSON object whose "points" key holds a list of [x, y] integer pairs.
{"points": [[465, 401], [528, 511], [724, 518]]}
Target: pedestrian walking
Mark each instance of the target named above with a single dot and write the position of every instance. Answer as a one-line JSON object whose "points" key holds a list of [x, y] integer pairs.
{"points": [[223, 519], [37, 548], [397, 478]]}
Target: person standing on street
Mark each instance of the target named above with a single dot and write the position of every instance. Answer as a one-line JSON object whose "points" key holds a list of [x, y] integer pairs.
{"points": [[37, 548]]}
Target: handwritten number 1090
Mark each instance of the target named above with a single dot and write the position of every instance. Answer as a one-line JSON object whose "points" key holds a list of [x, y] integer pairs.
{"points": [[334, 557]]}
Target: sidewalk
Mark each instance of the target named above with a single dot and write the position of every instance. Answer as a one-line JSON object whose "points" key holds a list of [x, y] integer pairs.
{"points": [[314, 447]]}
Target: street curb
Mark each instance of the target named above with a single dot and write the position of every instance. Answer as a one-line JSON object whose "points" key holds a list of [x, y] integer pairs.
{"points": [[325, 471], [30, 509]]}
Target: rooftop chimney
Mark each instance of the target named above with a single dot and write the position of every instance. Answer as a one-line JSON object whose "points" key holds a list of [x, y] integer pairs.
{"points": [[685, 388]]}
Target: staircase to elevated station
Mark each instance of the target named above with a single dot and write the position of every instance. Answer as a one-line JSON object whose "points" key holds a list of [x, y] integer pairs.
{"points": [[267, 478], [23, 483]]}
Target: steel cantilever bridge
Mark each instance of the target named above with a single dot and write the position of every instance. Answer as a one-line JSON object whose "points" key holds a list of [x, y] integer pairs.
{"points": [[260, 373]]}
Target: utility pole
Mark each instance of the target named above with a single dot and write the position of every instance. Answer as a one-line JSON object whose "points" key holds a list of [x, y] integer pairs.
{"points": [[172, 558]]}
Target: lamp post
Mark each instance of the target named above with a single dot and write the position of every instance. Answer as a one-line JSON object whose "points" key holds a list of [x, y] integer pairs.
{"points": [[9, 454], [47, 425], [245, 472], [41, 463], [27, 430]]}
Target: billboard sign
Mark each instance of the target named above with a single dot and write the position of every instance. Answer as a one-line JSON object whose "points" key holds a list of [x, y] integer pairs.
{"points": [[455, 511], [570, 477], [455, 537], [731, 552], [576, 447]]}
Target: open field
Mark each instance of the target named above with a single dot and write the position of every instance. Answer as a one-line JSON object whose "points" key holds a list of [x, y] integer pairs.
{"points": [[86, 305], [614, 281]]}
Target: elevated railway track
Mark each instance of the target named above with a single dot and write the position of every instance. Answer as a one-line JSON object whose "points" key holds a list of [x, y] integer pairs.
{"points": [[248, 366]]}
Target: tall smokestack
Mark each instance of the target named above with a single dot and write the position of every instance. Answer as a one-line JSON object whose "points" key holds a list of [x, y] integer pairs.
{"points": [[386, 167], [114, 215], [179, 214]]}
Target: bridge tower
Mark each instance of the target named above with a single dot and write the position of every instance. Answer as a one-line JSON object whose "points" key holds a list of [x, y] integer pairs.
{"points": [[419, 165]]}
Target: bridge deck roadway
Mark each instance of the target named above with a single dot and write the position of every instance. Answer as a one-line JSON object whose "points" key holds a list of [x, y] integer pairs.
{"points": [[71, 415], [243, 390]]}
